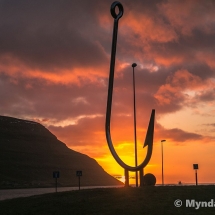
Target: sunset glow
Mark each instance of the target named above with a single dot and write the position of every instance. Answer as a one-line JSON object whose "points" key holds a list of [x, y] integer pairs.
{"points": [[54, 69]]}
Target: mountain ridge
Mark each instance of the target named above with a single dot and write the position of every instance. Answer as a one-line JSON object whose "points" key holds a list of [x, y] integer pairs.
{"points": [[29, 153]]}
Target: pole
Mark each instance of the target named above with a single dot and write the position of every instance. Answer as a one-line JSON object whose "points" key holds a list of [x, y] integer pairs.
{"points": [[126, 178], [162, 162], [79, 182], [135, 132], [196, 178], [56, 184], [141, 172]]}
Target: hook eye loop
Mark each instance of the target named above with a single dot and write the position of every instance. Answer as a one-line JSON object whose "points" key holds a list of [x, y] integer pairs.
{"points": [[113, 12]]}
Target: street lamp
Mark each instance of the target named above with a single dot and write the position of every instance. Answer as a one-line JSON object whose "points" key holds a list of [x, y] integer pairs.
{"points": [[135, 133], [162, 159]]}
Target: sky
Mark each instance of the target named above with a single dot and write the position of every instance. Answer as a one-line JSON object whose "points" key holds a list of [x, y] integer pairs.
{"points": [[54, 69]]}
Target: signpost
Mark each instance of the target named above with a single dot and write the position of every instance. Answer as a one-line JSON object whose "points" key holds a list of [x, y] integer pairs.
{"points": [[56, 175], [79, 174], [195, 167]]}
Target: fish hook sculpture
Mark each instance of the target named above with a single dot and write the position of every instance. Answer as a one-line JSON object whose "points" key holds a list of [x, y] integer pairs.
{"points": [[150, 132]]}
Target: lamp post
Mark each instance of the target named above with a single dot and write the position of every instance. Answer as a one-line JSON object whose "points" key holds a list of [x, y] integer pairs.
{"points": [[162, 159], [135, 133], [196, 167]]}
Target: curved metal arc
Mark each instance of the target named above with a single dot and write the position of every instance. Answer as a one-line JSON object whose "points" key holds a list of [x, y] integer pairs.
{"points": [[148, 142], [149, 136]]}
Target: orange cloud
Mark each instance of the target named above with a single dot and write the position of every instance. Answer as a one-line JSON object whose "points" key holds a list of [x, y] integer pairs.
{"points": [[189, 15], [179, 87]]}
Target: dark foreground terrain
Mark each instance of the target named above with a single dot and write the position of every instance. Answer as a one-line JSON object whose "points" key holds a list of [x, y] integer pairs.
{"points": [[114, 201]]}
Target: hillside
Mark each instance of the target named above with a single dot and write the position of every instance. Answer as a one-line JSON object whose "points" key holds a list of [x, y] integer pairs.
{"points": [[29, 153]]}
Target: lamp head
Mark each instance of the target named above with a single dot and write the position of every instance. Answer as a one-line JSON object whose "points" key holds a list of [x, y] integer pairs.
{"points": [[134, 65], [163, 141]]}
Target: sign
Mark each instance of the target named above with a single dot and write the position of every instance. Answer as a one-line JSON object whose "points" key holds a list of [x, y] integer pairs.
{"points": [[195, 166], [79, 173], [56, 174]]}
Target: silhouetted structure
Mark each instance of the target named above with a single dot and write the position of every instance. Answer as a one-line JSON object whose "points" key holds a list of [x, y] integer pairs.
{"points": [[149, 179], [150, 131], [162, 141], [196, 167], [135, 131]]}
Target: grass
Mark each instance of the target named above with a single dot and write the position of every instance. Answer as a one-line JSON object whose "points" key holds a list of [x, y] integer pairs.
{"points": [[113, 201]]}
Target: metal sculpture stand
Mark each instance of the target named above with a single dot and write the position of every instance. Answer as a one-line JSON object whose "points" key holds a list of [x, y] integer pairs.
{"points": [[150, 132]]}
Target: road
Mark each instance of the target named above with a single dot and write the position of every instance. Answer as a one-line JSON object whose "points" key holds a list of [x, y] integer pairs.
{"points": [[16, 193]]}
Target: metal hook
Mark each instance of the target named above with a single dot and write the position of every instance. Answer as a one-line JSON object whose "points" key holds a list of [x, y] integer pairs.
{"points": [[150, 131]]}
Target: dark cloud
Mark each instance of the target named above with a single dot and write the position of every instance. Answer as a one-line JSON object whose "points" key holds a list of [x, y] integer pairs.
{"points": [[50, 34], [30, 97], [55, 35], [200, 69], [206, 96], [210, 124], [177, 135]]}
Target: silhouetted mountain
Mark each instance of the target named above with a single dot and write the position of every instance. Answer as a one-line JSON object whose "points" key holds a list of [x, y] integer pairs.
{"points": [[29, 153]]}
